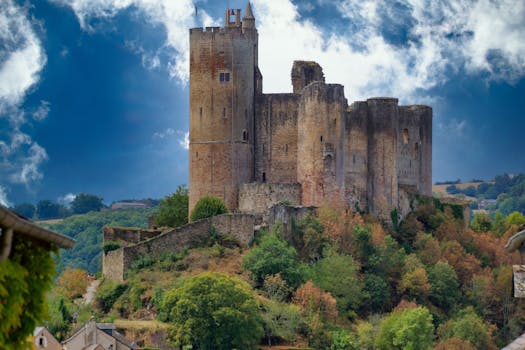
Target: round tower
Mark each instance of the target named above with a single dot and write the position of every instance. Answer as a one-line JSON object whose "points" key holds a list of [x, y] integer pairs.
{"points": [[223, 62], [320, 147]]}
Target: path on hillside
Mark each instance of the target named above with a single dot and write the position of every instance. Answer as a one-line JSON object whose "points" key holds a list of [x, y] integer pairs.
{"points": [[90, 292]]}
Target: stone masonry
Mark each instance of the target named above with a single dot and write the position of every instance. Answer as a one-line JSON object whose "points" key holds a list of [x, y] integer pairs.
{"points": [[369, 155]]}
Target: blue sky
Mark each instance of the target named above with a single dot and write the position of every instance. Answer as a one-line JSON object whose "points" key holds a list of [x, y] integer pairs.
{"points": [[94, 93]]}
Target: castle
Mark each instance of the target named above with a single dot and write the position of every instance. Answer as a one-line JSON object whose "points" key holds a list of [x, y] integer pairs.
{"points": [[308, 147]]}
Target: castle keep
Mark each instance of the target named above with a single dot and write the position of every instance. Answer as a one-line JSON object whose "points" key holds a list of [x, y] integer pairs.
{"points": [[309, 147]]}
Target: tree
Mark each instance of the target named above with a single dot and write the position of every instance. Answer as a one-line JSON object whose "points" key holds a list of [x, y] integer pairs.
{"points": [[84, 203], [281, 321], [444, 285], [339, 275], [25, 279], [481, 222], [272, 256], [314, 301], [468, 326], [208, 206], [173, 209], [25, 209], [407, 329], [73, 282], [515, 218], [212, 311], [452, 189], [46, 209]]}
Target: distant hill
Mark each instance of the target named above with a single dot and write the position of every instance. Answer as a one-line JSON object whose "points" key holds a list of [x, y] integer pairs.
{"points": [[86, 229], [506, 193]]}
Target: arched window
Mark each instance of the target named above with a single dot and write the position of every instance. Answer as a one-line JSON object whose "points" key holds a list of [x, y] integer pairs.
{"points": [[416, 148], [405, 136], [264, 177], [245, 135]]}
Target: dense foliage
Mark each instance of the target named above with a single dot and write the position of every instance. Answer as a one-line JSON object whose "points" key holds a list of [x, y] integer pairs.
{"points": [[86, 229], [173, 209], [336, 280], [84, 203], [24, 280], [208, 206], [213, 311]]}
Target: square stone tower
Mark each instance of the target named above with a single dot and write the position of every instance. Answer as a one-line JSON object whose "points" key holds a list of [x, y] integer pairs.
{"points": [[223, 65]]}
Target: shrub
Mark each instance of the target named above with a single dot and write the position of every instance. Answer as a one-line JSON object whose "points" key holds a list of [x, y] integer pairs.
{"points": [[110, 245], [208, 206], [273, 256], [108, 293]]}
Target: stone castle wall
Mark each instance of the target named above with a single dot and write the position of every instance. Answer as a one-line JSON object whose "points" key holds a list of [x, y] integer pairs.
{"points": [[128, 234], [369, 156], [276, 138], [238, 226], [257, 198]]}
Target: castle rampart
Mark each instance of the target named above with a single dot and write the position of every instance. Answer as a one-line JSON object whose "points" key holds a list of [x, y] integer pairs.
{"points": [[240, 227]]}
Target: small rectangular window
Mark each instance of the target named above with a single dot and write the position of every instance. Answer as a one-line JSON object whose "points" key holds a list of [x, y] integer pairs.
{"points": [[224, 77], [227, 76], [200, 111], [221, 77], [224, 112]]}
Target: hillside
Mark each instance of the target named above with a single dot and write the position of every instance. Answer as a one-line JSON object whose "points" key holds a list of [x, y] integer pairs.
{"points": [[86, 229], [342, 279]]}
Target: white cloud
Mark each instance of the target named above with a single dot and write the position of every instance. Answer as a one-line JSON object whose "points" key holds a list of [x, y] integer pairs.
{"points": [[20, 67], [3, 197], [185, 141], [453, 127], [30, 169], [22, 59], [42, 111], [67, 199], [175, 16], [164, 134]]}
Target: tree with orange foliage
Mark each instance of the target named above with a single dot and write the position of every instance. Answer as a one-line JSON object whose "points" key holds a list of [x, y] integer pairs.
{"points": [[465, 264], [73, 283], [314, 301]]}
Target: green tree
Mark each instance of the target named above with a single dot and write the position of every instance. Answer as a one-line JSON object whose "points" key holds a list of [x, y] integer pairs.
{"points": [[173, 209], [273, 256], [25, 279], [406, 329], [515, 218], [498, 224], [468, 326], [46, 209], [444, 285], [84, 203], [208, 206], [212, 311], [481, 223], [281, 321], [338, 274], [25, 209]]}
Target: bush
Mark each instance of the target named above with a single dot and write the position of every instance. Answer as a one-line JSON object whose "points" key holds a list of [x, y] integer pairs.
{"points": [[281, 321], [110, 245], [108, 293], [271, 257], [208, 206]]}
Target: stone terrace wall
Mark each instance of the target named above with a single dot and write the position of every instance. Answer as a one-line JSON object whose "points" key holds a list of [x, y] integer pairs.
{"points": [[238, 226], [112, 265], [257, 198], [128, 234], [286, 215]]}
